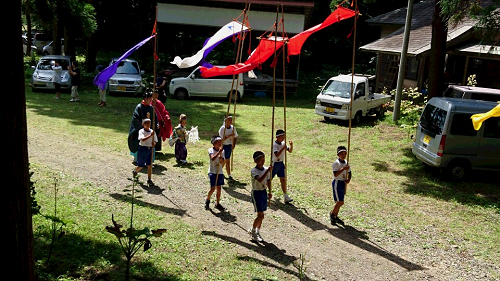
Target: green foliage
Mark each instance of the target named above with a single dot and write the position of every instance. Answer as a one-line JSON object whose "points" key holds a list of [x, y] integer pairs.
{"points": [[411, 107], [471, 80]]}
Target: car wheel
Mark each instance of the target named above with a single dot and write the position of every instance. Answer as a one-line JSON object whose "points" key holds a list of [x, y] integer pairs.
{"points": [[181, 94], [457, 169], [357, 118], [380, 113], [237, 96]]}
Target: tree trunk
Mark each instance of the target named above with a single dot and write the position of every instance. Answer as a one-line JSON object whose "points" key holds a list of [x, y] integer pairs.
{"points": [[17, 232], [437, 53]]}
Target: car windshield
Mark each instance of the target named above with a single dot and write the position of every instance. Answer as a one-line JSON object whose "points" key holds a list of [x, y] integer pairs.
{"points": [[337, 88], [126, 67], [46, 64]]}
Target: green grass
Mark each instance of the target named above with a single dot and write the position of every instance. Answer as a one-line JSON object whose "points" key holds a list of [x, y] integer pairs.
{"points": [[391, 194]]}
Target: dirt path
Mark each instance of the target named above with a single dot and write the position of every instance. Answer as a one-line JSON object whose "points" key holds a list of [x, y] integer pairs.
{"points": [[332, 253]]}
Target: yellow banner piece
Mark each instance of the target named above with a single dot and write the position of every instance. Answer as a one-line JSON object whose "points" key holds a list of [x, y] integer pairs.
{"points": [[478, 119]]}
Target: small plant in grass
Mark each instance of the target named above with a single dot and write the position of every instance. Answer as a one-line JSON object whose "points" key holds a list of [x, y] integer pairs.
{"points": [[132, 240], [56, 228], [301, 265]]}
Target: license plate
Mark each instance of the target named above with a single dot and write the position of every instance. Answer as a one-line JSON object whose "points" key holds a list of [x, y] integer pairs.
{"points": [[330, 109], [427, 139], [121, 88]]}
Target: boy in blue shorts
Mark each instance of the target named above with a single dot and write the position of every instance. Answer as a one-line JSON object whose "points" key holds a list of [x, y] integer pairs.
{"points": [[279, 149], [147, 140], [215, 174], [229, 136], [341, 177], [261, 180]]}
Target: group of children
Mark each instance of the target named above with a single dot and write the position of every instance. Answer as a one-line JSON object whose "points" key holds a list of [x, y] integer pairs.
{"points": [[223, 145]]}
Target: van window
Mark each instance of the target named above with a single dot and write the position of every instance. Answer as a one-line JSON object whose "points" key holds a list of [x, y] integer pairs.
{"points": [[433, 119], [461, 125], [126, 67], [492, 128]]}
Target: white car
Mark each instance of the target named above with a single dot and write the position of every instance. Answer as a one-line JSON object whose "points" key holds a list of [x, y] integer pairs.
{"points": [[195, 85], [42, 74]]}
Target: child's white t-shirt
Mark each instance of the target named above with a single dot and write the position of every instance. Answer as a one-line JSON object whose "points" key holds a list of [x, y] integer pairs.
{"points": [[336, 166], [142, 134], [276, 148], [212, 169], [257, 174], [229, 131]]}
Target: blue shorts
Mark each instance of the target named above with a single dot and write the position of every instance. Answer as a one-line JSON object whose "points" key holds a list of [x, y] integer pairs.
{"points": [[220, 179], [278, 169], [338, 188], [144, 156], [228, 148], [259, 200]]}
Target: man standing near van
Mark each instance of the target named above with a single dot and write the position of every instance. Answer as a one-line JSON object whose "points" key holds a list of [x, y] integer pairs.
{"points": [[56, 78]]}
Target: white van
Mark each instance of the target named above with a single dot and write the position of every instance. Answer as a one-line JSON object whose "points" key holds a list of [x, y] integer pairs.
{"points": [[446, 139], [196, 86], [474, 93]]}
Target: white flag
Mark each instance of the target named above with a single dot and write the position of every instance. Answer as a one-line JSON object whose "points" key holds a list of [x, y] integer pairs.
{"points": [[225, 32]]}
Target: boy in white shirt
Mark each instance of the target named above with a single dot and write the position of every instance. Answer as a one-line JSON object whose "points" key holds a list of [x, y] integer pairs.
{"points": [[279, 150], [341, 177], [215, 173], [260, 182], [229, 135], [147, 140]]}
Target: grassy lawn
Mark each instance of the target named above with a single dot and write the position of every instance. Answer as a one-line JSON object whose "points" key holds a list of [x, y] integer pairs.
{"points": [[391, 196]]}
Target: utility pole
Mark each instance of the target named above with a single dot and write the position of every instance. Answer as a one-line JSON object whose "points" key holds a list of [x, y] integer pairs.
{"points": [[402, 62]]}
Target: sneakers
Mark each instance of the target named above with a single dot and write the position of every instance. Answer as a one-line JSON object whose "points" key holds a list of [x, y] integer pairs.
{"points": [[254, 235], [339, 221], [150, 183], [134, 173], [207, 204], [220, 207], [333, 221], [230, 177], [288, 199]]}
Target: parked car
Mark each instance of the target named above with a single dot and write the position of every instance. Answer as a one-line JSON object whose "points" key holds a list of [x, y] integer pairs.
{"points": [[475, 93], [40, 40], [446, 139], [42, 74], [334, 99], [49, 48], [196, 86], [127, 79]]}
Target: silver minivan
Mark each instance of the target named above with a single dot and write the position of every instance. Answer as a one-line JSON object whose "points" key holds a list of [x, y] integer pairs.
{"points": [[128, 77], [446, 139], [474, 93], [217, 87]]}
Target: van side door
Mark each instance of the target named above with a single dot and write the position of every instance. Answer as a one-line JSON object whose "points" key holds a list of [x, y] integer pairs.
{"points": [[489, 148]]}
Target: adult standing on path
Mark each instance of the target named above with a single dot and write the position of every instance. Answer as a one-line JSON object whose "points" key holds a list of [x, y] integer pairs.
{"points": [[74, 71], [164, 124], [142, 111], [56, 78]]}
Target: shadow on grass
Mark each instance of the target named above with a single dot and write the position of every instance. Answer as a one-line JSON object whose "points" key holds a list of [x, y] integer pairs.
{"points": [[125, 198], [78, 258], [348, 233], [270, 265], [265, 249], [481, 188]]}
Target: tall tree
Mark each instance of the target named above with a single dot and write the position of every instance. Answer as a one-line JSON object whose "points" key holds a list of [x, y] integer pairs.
{"points": [[15, 210], [438, 51]]}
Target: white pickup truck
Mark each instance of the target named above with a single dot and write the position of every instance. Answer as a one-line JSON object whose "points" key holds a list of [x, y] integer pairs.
{"points": [[334, 99]]}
